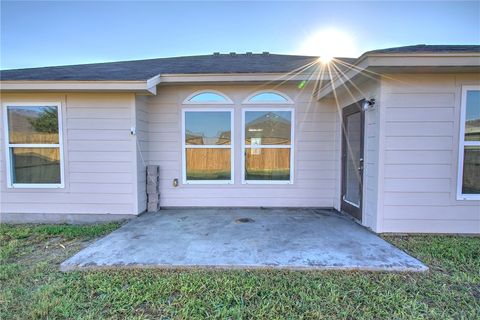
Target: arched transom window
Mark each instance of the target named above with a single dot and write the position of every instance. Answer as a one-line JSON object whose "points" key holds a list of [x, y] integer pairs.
{"points": [[268, 97], [208, 97]]}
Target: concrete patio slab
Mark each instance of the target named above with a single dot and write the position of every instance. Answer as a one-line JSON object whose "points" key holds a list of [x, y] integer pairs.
{"points": [[244, 238]]}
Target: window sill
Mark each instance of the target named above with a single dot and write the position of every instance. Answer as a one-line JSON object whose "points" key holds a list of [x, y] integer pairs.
{"points": [[267, 182], [36, 186], [469, 197], [193, 182]]}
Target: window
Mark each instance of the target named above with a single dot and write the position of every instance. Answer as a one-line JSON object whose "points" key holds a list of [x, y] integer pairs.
{"points": [[468, 187], [268, 97], [267, 146], [208, 97], [207, 146], [34, 145]]}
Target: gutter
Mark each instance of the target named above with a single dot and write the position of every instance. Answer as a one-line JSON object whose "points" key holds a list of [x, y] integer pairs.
{"points": [[148, 86]]}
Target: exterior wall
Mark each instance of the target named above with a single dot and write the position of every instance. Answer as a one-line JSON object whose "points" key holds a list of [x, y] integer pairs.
{"points": [[141, 123], [99, 158], [365, 90], [315, 158], [420, 134]]}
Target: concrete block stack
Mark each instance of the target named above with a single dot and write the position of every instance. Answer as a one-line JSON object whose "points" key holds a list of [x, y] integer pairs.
{"points": [[153, 188]]}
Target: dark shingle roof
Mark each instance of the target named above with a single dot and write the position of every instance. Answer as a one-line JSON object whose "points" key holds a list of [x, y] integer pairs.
{"points": [[423, 48], [145, 69], [216, 63]]}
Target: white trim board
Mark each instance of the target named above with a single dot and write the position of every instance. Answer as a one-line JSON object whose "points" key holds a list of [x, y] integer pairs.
{"points": [[281, 94], [462, 144], [196, 93]]}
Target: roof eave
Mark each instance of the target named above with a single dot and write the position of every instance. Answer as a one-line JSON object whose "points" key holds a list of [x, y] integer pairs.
{"points": [[434, 61], [233, 77], [148, 86]]}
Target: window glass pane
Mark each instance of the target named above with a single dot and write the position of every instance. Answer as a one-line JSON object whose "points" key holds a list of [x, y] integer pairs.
{"points": [[353, 179], [208, 164], [208, 97], [267, 164], [35, 124], [471, 171], [472, 118], [268, 127], [268, 97], [207, 128], [35, 165]]}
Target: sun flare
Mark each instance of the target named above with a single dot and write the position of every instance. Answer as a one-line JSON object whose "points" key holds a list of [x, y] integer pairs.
{"points": [[329, 43]]}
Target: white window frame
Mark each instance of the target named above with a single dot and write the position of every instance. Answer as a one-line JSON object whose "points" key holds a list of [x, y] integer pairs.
{"points": [[291, 146], [462, 144], [227, 99], [230, 146], [288, 99], [9, 146]]}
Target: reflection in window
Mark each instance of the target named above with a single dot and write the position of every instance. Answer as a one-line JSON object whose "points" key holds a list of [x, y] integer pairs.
{"points": [[208, 164], [207, 128], [32, 124], [267, 164], [268, 145], [36, 165], [472, 116], [207, 146], [268, 127], [469, 158], [33, 145], [268, 97], [208, 97], [471, 170]]}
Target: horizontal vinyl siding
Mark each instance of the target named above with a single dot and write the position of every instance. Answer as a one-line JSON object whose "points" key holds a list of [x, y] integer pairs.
{"points": [[99, 158], [420, 151], [315, 170]]}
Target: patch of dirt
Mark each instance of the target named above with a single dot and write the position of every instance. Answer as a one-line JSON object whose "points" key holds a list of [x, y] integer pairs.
{"points": [[51, 250]]}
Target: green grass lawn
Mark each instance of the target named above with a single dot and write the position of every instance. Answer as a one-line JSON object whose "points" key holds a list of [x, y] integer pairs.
{"points": [[32, 287]]}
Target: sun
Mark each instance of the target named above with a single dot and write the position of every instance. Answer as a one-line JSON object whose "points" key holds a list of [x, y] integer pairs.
{"points": [[325, 59], [327, 44]]}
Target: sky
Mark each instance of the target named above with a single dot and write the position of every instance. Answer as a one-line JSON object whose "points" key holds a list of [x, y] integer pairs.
{"points": [[43, 33]]}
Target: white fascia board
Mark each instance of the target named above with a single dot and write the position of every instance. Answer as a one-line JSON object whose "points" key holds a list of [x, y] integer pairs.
{"points": [[152, 84], [234, 77], [402, 60], [148, 86]]}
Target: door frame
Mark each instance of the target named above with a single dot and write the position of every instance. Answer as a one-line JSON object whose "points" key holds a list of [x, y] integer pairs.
{"points": [[346, 207]]}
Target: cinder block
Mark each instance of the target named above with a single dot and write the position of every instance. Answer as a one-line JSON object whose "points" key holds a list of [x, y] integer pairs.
{"points": [[153, 170], [153, 197], [153, 180], [153, 188], [153, 206]]}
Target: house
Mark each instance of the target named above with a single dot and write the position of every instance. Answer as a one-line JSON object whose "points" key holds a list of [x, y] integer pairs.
{"points": [[391, 137]]}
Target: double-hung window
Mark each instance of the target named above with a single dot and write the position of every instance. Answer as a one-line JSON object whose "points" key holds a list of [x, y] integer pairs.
{"points": [[267, 145], [468, 187], [207, 146], [33, 145]]}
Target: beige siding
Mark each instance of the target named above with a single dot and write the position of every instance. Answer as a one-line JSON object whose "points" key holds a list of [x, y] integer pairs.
{"points": [[315, 170], [99, 158], [420, 136]]}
